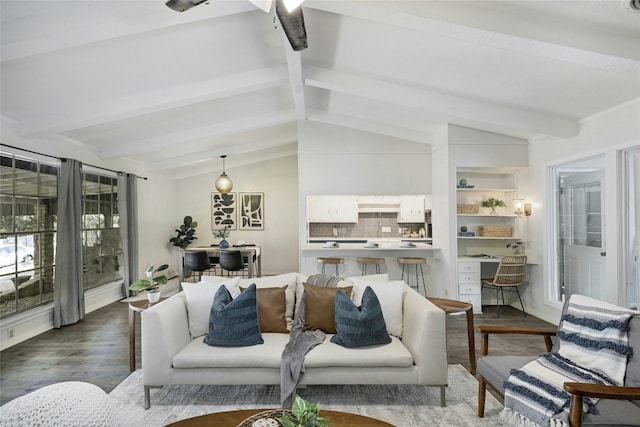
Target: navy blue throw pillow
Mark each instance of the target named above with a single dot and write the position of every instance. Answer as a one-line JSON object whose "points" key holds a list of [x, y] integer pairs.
{"points": [[234, 322], [359, 327]]}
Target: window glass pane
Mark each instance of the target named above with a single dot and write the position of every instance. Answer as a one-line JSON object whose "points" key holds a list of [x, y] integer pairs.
{"points": [[26, 178]]}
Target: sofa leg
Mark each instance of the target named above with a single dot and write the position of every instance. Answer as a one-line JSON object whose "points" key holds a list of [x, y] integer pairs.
{"points": [[482, 393], [443, 396]]}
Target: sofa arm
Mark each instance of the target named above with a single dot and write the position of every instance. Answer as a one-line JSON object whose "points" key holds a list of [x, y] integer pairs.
{"points": [[165, 331], [580, 390], [424, 333], [487, 330]]}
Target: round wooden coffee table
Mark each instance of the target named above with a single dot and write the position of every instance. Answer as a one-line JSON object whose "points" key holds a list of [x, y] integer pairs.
{"points": [[233, 418]]}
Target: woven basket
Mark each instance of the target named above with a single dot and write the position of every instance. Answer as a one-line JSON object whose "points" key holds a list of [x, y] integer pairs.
{"points": [[273, 413], [467, 209], [495, 231]]}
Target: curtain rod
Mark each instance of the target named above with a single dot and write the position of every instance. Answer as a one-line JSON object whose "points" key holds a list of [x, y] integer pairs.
{"points": [[62, 159]]}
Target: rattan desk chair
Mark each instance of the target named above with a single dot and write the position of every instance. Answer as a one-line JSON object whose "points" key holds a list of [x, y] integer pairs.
{"points": [[509, 275]]}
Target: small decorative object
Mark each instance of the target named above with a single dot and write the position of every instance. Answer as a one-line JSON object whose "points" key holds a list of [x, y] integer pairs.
{"points": [[463, 229], [185, 235], [463, 182], [304, 414], [251, 211], [493, 204], [222, 233], [151, 284], [223, 210], [516, 246]]}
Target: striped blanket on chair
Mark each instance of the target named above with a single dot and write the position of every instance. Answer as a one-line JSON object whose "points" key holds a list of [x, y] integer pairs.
{"points": [[594, 348]]}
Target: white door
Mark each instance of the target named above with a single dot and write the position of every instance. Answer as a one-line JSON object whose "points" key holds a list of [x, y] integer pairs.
{"points": [[581, 246]]}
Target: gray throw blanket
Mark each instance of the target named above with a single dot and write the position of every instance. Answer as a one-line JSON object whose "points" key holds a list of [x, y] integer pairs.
{"points": [[300, 342]]}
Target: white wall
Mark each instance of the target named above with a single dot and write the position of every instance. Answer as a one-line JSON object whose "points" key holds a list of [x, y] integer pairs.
{"points": [[338, 160], [605, 133], [278, 180]]}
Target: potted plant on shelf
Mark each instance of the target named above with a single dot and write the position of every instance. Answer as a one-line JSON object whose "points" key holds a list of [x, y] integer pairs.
{"points": [[152, 283], [516, 247], [185, 234], [493, 204], [222, 233], [303, 414]]}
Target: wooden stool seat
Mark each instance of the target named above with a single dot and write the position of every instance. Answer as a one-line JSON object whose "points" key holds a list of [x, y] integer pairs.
{"points": [[417, 262], [333, 261], [370, 261]]}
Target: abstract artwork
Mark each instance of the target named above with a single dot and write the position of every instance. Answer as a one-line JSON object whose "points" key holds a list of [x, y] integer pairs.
{"points": [[223, 211], [251, 215]]}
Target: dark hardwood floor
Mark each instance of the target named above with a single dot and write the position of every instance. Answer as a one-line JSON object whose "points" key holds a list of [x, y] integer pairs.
{"points": [[96, 349]]}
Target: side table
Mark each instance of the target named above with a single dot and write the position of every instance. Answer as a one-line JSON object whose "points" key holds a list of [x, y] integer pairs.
{"points": [[452, 306], [136, 307]]}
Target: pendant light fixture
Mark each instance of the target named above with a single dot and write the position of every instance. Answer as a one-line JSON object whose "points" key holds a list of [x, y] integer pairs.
{"points": [[223, 183]]}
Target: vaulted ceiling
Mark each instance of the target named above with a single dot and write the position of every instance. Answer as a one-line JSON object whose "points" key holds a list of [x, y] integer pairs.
{"points": [[135, 79]]}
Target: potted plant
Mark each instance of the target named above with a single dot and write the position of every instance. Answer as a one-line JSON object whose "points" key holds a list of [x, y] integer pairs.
{"points": [[185, 235], [152, 283], [516, 247], [304, 414], [222, 233], [493, 204]]}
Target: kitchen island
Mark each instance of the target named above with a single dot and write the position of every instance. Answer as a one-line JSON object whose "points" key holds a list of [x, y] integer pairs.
{"points": [[389, 249]]}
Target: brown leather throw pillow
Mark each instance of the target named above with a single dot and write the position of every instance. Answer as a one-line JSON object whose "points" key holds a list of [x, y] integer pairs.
{"points": [[272, 304], [319, 307]]}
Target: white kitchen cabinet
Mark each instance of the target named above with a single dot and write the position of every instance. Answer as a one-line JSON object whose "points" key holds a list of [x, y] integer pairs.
{"points": [[411, 209], [333, 208]]}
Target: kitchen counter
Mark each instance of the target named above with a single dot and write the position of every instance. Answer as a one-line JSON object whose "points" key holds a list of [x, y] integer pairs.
{"points": [[389, 249]]}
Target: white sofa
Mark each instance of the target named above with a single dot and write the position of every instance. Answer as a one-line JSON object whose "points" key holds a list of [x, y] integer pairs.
{"points": [[172, 356]]}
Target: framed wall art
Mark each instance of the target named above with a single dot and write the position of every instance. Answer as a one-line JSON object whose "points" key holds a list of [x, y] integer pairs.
{"points": [[223, 211], [251, 213]]}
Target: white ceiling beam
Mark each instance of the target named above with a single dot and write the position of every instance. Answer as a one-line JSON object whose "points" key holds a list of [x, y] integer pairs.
{"points": [[558, 48], [154, 101], [138, 18], [220, 148], [217, 130], [245, 159], [447, 104], [377, 127]]}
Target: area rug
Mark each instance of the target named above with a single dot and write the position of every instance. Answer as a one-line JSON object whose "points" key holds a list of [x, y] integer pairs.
{"points": [[400, 405]]}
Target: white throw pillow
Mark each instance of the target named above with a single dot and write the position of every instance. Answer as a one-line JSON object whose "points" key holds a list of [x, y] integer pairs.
{"points": [[383, 277], [390, 296], [199, 299]]}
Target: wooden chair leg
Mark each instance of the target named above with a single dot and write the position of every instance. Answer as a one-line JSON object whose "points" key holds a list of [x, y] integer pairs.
{"points": [[482, 393], [575, 411]]}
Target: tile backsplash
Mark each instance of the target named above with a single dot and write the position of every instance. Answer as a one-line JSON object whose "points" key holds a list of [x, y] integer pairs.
{"points": [[368, 225]]}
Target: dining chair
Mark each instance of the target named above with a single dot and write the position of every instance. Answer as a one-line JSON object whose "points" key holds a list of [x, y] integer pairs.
{"points": [[232, 261], [197, 261]]}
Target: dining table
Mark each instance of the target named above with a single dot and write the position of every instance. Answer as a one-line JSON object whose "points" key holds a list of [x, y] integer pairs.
{"points": [[250, 252]]}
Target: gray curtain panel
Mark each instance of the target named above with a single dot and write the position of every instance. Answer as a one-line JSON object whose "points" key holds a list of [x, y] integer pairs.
{"points": [[128, 210], [68, 295]]}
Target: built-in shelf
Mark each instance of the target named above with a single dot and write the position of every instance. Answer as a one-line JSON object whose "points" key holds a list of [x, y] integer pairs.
{"points": [[488, 238], [487, 215], [487, 190]]}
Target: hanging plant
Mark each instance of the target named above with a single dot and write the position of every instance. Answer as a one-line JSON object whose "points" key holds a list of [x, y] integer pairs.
{"points": [[185, 235]]}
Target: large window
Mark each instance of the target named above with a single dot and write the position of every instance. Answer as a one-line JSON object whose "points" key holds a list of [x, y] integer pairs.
{"points": [[28, 206], [101, 230]]}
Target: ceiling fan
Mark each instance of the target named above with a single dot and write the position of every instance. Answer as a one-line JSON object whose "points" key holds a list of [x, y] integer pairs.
{"points": [[288, 11]]}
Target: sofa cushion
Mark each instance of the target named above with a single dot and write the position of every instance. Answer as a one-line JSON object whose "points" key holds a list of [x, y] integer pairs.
{"points": [[272, 306], [234, 322], [319, 308], [288, 279], [496, 369], [389, 294], [197, 354], [329, 354], [359, 326], [199, 299]]}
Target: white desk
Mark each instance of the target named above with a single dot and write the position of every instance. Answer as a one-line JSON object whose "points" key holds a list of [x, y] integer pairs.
{"points": [[247, 251]]}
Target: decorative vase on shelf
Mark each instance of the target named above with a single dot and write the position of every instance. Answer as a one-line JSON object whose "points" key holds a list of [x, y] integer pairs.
{"points": [[153, 297], [493, 211], [223, 244]]}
